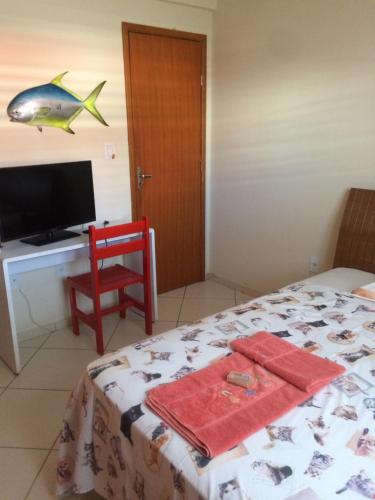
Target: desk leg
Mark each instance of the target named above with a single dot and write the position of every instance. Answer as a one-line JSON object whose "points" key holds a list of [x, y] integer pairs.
{"points": [[134, 261], [154, 286], [9, 351]]}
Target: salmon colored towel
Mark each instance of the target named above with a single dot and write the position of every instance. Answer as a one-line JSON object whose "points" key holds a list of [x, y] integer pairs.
{"points": [[214, 415], [306, 371]]}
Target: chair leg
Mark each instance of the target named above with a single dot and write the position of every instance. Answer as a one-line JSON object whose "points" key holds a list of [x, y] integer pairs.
{"points": [[98, 327], [121, 299], [148, 310], [73, 310], [148, 323]]}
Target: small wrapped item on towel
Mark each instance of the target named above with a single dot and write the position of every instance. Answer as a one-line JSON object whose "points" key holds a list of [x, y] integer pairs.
{"points": [[239, 378]]}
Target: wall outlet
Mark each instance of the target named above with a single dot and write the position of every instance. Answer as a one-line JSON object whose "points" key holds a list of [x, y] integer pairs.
{"points": [[15, 281], [61, 271], [314, 264]]}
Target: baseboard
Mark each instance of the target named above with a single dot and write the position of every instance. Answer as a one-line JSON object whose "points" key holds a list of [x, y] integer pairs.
{"points": [[235, 286]]}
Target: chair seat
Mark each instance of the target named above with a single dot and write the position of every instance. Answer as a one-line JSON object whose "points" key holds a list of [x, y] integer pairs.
{"points": [[110, 278]]}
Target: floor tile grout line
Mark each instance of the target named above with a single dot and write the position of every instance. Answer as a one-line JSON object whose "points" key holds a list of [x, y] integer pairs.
{"points": [[140, 319], [37, 474], [68, 348], [209, 298], [16, 375], [24, 448], [30, 359], [37, 349], [113, 332], [46, 340], [182, 303], [7, 386], [38, 389], [56, 440]]}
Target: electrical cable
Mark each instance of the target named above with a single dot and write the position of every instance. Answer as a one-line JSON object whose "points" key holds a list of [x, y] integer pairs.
{"points": [[105, 223], [31, 316]]}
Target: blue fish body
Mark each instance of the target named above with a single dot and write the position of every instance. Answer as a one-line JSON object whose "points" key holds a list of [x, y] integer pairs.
{"points": [[52, 105]]}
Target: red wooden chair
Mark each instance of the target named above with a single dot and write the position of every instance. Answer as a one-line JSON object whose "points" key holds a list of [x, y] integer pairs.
{"points": [[116, 277]]}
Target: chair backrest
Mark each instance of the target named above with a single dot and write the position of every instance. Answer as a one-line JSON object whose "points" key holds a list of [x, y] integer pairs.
{"points": [[356, 242], [100, 249]]}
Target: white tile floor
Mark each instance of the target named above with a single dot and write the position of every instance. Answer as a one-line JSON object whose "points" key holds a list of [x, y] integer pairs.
{"points": [[32, 404]]}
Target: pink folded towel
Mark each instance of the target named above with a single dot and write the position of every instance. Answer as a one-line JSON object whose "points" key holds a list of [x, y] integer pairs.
{"points": [[306, 371], [214, 415]]}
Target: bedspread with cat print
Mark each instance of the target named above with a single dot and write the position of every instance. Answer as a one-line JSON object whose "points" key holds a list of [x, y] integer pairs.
{"points": [[322, 450]]}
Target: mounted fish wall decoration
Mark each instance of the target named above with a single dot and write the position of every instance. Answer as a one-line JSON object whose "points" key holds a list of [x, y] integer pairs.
{"points": [[52, 105]]}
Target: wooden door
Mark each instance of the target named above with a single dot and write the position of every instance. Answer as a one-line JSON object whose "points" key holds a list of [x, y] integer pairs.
{"points": [[165, 95]]}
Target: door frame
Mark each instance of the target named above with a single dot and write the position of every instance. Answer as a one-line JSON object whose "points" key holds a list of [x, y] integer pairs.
{"points": [[128, 28]]}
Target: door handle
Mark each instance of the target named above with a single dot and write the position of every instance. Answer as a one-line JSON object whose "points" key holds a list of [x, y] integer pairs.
{"points": [[141, 177]]}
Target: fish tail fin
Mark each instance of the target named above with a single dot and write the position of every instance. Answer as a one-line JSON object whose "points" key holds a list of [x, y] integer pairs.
{"points": [[89, 104]]}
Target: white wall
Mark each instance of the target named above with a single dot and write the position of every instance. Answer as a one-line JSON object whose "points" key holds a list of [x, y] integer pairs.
{"points": [[43, 38], [293, 130], [203, 4]]}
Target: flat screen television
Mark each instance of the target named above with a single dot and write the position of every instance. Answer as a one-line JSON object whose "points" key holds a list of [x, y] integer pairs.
{"points": [[43, 200]]}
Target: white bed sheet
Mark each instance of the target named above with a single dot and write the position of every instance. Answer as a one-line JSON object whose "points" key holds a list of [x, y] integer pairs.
{"points": [[343, 278], [323, 450]]}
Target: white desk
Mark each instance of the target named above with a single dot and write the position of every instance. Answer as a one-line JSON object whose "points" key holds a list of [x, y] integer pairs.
{"points": [[17, 257]]}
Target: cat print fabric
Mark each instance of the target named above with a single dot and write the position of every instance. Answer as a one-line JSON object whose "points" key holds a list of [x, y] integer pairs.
{"points": [[322, 450]]}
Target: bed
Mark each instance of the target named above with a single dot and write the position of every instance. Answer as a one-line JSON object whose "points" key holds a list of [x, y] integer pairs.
{"points": [[323, 449]]}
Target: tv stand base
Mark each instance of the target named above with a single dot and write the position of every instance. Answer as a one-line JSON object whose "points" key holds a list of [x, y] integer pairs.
{"points": [[49, 237]]}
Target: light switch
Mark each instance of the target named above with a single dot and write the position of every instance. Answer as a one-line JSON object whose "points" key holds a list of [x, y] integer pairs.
{"points": [[109, 151]]}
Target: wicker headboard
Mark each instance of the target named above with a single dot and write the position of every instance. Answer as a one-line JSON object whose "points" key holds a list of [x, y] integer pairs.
{"points": [[356, 242]]}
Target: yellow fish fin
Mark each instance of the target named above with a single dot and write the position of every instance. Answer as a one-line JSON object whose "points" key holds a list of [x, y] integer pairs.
{"points": [[67, 128], [58, 78], [58, 82], [89, 104], [66, 125]]}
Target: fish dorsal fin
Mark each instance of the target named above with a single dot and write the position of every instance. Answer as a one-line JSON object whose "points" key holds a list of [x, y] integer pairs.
{"points": [[58, 78], [58, 82]]}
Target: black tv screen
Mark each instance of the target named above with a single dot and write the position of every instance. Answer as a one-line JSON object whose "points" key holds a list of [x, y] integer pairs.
{"points": [[45, 198]]}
